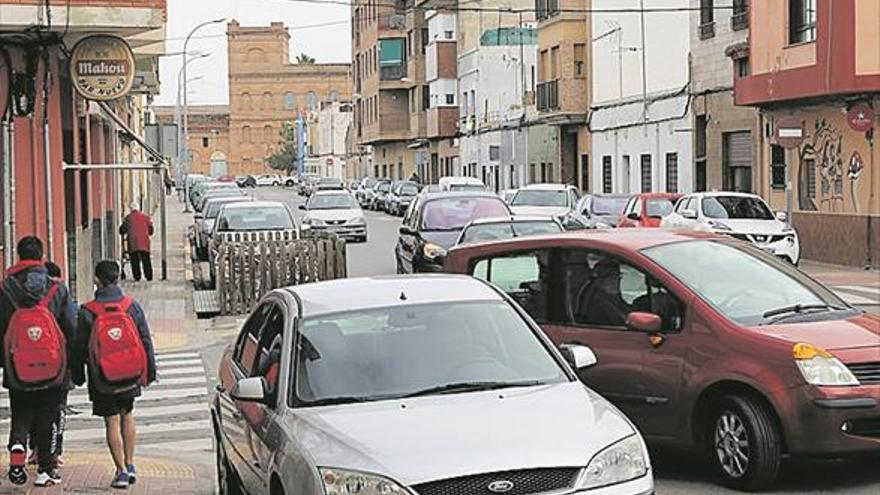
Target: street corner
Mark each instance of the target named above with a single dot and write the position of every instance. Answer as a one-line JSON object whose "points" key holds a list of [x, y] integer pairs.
{"points": [[92, 472]]}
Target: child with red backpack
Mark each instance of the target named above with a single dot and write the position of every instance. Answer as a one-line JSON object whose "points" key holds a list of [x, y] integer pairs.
{"points": [[114, 344], [37, 321]]}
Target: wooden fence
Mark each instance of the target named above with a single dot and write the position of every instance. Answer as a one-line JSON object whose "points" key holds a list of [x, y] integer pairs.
{"points": [[246, 271]]}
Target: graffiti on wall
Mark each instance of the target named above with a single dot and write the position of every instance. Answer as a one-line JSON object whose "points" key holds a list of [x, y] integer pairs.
{"points": [[854, 171], [822, 161]]}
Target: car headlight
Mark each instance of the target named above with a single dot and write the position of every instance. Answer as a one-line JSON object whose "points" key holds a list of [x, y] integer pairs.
{"points": [[341, 482], [433, 251], [314, 221], [602, 225], [790, 239], [357, 221], [624, 461], [719, 226], [820, 368]]}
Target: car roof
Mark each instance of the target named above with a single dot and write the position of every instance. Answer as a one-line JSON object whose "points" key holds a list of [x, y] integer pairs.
{"points": [[634, 239], [544, 187], [332, 192], [227, 199], [512, 218], [460, 180], [255, 205], [430, 196], [361, 294], [712, 194], [659, 195]]}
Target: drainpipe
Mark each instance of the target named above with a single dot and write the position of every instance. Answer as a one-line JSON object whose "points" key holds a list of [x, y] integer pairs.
{"points": [[8, 127], [47, 161]]}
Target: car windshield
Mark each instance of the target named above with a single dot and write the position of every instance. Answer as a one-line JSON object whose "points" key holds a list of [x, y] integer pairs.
{"points": [[409, 190], [659, 208], [466, 187], [330, 181], [608, 206], [738, 280], [558, 198], [256, 218], [383, 186], [403, 350], [455, 213], [214, 207], [368, 183], [331, 202], [508, 230], [736, 207]]}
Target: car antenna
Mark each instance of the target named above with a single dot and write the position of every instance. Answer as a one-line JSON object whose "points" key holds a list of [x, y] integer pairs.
{"points": [[403, 296]]}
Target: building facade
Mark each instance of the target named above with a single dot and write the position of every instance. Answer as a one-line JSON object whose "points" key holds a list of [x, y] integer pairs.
{"points": [[267, 90], [208, 137], [441, 75], [46, 123], [724, 138], [327, 131], [819, 71]]}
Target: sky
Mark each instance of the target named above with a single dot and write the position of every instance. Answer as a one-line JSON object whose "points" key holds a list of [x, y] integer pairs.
{"points": [[666, 41]]}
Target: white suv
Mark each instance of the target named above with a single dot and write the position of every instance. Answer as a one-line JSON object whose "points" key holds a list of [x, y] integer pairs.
{"points": [[744, 216]]}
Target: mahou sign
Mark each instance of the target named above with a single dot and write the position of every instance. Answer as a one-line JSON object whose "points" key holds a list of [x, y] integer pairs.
{"points": [[102, 67]]}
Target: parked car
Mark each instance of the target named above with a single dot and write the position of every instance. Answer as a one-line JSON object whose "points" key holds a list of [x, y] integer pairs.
{"points": [[200, 188], [508, 194], [429, 385], [705, 342], [600, 211], [204, 222], [217, 193], [363, 191], [648, 209], [744, 216], [494, 229], [379, 191], [453, 183], [269, 180], [433, 224], [290, 180], [550, 200], [400, 196], [305, 183], [336, 212], [246, 181], [328, 184]]}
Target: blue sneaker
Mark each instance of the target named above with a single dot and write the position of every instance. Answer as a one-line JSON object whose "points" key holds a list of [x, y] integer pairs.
{"points": [[132, 474], [121, 480]]}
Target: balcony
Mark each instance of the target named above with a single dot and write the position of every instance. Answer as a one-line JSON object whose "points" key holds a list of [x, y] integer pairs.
{"points": [[707, 30], [739, 21], [392, 72], [548, 96]]}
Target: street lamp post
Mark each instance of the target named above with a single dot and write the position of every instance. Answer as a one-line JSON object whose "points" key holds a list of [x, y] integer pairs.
{"points": [[178, 115], [185, 159]]}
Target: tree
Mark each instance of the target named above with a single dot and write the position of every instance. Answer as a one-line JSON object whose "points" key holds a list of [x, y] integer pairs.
{"points": [[303, 58], [284, 157]]}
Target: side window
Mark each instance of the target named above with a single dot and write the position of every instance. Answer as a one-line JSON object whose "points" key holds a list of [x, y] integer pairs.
{"points": [[269, 354], [637, 207], [247, 346], [525, 277], [603, 291]]}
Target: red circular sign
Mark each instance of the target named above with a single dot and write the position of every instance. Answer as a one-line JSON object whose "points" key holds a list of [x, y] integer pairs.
{"points": [[789, 132], [329, 161], [861, 118]]}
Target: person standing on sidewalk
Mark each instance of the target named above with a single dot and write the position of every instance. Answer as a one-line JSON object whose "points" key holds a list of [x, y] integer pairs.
{"points": [[37, 315], [137, 228], [114, 344]]}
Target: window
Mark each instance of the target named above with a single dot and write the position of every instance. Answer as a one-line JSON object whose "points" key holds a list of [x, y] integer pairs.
{"points": [[494, 153], [424, 39], [700, 176], [267, 101], [554, 62], [426, 98], [391, 52], [742, 67], [603, 291], [672, 172], [268, 134], [777, 167], [311, 101], [606, 174], [580, 60], [810, 165], [585, 172], [247, 346], [289, 101], [206, 142], [448, 34], [246, 134], [646, 173], [334, 96], [450, 99], [700, 139], [801, 21], [737, 161], [525, 277], [740, 18], [707, 19], [532, 173]]}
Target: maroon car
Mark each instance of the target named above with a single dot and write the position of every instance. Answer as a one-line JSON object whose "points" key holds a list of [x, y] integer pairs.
{"points": [[704, 342]]}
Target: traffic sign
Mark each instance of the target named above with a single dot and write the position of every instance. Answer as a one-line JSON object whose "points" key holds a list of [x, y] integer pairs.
{"points": [[789, 132]]}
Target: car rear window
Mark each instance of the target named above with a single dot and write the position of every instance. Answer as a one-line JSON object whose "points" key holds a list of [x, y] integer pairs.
{"points": [[455, 213]]}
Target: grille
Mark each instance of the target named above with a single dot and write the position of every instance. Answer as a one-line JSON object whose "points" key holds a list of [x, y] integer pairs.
{"points": [[335, 222], [526, 482], [741, 237], [866, 373], [866, 427]]}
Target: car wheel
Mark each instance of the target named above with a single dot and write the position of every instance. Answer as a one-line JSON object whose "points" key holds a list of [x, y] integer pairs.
{"points": [[228, 482], [746, 445]]}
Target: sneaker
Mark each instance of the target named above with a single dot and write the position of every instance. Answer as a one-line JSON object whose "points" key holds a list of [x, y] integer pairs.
{"points": [[132, 474], [48, 478], [121, 480], [17, 459]]}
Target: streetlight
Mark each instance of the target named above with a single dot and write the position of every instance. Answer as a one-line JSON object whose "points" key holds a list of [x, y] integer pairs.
{"points": [[185, 103], [182, 145]]}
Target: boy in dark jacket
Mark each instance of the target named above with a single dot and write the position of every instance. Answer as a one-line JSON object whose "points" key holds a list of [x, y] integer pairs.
{"points": [[28, 284], [116, 409]]}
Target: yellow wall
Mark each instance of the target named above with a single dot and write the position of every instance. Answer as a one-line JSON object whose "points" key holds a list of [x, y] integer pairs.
{"points": [[770, 50], [867, 37]]}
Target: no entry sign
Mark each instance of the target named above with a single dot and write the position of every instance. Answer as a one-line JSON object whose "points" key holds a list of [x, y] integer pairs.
{"points": [[789, 132]]}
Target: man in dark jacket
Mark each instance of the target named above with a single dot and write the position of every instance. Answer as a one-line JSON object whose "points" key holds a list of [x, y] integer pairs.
{"points": [[117, 409], [137, 228], [28, 284]]}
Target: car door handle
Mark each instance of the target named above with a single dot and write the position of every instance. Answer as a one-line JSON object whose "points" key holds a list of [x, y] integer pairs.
{"points": [[220, 388], [236, 415]]}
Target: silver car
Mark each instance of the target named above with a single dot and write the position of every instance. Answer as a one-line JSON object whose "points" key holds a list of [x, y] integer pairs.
{"points": [[417, 385], [337, 212]]}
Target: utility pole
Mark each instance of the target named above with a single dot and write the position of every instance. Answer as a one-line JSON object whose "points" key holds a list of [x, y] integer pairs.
{"points": [[644, 64]]}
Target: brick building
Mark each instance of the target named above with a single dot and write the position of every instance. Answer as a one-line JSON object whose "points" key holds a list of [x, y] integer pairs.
{"points": [[208, 136]]}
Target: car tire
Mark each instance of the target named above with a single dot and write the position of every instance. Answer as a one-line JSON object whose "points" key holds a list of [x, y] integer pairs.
{"points": [[228, 482], [745, 444]]}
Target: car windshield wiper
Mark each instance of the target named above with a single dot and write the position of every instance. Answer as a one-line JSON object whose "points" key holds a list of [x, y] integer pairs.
{"points": [[471, 387], [796, 309], [330, 401]]}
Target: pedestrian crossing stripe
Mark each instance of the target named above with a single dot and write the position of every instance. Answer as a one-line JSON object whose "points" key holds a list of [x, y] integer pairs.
{"points": [[172, 414]]}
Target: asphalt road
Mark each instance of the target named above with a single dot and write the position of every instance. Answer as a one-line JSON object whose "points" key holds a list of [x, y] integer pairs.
{"points": [[675, 472]]}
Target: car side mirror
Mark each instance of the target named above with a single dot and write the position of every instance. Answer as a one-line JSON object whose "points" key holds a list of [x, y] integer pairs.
{"points": [[644, 322], [578, 356], [634, 216], [689, 214], [782, 216], [253, 389], [407, 230], [302, 207], [198, 215]]}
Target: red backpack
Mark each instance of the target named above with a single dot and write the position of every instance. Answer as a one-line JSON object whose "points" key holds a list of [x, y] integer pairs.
{"points": [[35, 347], [117, 359]]}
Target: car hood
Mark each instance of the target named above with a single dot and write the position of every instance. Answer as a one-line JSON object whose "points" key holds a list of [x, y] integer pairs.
{"points": [[431, 438], [335, 214], [862, 331], [753, 226], [540, 211], [443, 238]]}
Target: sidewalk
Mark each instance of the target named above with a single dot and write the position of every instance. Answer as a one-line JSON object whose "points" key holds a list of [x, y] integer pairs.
{"points": [[171, 466]]}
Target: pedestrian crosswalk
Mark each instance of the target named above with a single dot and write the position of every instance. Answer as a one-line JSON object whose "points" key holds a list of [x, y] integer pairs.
{"points": [[858, 295], [172, 414]]}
